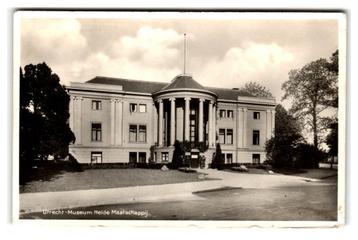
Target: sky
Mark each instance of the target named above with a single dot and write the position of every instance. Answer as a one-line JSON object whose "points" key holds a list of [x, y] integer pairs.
{"points": [[223, 50]]}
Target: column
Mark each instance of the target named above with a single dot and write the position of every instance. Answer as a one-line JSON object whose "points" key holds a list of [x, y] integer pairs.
{"points": [[214, 125], [273, 113], [268, 124], [244, 128], [71, 112], [118, 122], [78, 120], [160, 123], [201, 119], [239, 128], [187, 120], [113, 113], [210, 123], [172, 121]]}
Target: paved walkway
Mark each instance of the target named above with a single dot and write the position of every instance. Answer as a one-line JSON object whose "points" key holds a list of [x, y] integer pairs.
{"points": [[37, 202]]}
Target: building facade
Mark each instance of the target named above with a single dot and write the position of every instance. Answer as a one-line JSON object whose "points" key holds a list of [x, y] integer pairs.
{"points": [[129, 121]]}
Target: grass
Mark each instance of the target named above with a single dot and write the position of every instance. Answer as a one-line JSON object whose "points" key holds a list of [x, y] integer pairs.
{"points": [[318, 173], [106, 178]]}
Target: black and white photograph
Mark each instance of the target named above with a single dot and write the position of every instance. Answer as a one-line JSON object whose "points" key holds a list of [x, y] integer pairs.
{"points": [[234, 118]]}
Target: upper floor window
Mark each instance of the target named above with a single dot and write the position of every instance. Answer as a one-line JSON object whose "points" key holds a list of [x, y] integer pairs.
{"points": [[256, 137], [96, 132], [256, 115], [229, 136], [142, 108], [133, 107], [96, 105], [225, 136], [222, 113], [137, 133], [230, 113]]}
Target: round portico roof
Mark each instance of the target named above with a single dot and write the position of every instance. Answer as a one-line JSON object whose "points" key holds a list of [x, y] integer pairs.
{"points": [[184, 82]]}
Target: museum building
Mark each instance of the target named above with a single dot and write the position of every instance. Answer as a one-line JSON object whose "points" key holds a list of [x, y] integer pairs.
{"points": [[129, 121]]}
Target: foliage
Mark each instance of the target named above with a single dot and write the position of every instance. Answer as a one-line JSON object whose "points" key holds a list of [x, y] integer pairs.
{"points": [[280, 148], [256, 90], [218, 159], [178, 155], [312, 89], [332, 139], [202, 146], [307, 156], [44, 128], [151, 157]]}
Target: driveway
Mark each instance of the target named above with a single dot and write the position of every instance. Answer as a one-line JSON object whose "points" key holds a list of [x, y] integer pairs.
{"points": [[38, 202]]}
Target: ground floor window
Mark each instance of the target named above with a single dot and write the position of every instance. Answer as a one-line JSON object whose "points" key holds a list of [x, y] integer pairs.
{"points": [[229, 158], [165, 157], [132, 157], [142, 157], [256, 158], [96, 157]]}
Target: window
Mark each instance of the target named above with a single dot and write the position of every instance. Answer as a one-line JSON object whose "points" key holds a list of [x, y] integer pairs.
{"points": [[142, 108], [256, 137], [229, 136], [132, 107], [230, 113], [96, 105], [96, 132], [96, 157], [229, 158], [165, 156], [225, 136], [222, 136], [142, 136], [132, 133], [142, 157], [222, 113], [132, 157], [256, 158], [256, 115], [137, 133]]}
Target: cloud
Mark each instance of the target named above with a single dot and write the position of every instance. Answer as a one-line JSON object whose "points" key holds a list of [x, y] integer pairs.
{"points": [[53, 40], [258, 62], [155, 47]]}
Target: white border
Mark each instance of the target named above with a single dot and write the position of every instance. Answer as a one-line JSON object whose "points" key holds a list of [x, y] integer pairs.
{"points": [[162, 15]]}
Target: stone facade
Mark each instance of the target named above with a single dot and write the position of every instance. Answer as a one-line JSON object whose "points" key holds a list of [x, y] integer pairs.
{"points": [[118, 121]]}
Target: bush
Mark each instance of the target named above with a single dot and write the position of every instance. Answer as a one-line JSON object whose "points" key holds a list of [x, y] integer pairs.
{"points": [[307, 156], [178, 155], [218, 160]]}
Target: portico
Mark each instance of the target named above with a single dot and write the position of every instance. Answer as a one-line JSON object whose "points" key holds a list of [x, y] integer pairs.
{"points": [[186, 112]]}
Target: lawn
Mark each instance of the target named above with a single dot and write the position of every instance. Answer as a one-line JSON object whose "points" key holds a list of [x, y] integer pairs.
{"points": [[107, 178]]}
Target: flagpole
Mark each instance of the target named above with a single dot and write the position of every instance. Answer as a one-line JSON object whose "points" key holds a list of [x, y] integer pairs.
{"points": [[184, 52]]}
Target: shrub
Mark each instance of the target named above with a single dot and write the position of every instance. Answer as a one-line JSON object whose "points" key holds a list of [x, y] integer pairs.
{"points": [[307, 156], [218, 160]]}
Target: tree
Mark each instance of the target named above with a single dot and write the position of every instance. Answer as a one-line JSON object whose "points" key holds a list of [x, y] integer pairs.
{"points": [[312, 89], [332, 139], [256, 90], [44, 104], [178, 155], [281, 147], [218, 159]]}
